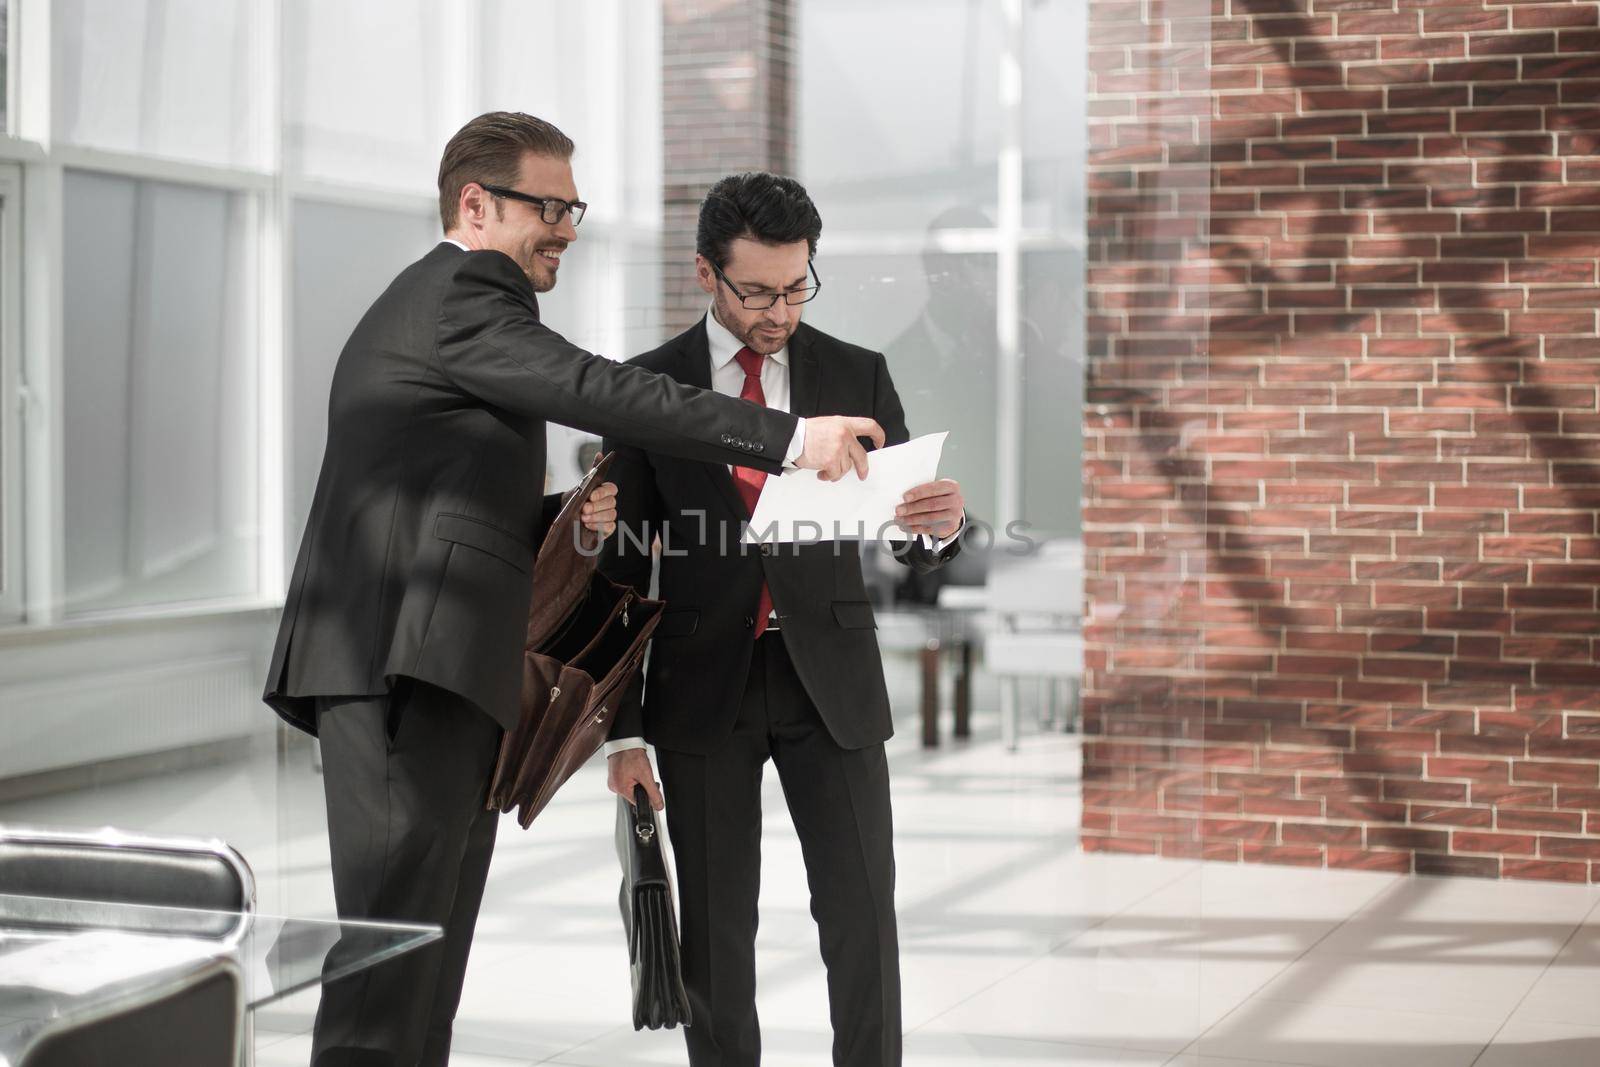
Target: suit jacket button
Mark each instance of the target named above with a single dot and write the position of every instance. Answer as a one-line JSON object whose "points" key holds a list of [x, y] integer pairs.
{"points": [[748, 622], [766, 550], [760, 446], [727, 438]]}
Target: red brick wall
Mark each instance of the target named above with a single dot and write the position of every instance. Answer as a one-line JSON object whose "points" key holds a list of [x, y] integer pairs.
{"points": [[726, 107], [1343, 444]]}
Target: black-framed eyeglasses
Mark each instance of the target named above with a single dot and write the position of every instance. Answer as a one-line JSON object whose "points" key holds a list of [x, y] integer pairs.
{"points": [[551, 209], [762, 301]]}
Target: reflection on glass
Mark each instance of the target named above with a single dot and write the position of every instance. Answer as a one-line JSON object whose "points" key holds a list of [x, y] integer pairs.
{"points": [[891, 136], [157, 77], [933, 317], [1052, 391], [159, 384], [56, 953], [1054, 114]]}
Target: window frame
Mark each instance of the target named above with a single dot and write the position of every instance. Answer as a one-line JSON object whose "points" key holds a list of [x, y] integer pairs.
{"points": [[14, 399]]}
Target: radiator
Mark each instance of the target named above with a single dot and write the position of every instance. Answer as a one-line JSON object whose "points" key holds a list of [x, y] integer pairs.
{"points": [[103, 715]]}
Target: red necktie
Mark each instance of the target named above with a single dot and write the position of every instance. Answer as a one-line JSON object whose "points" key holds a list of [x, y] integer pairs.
{"points": [[749, 480]]}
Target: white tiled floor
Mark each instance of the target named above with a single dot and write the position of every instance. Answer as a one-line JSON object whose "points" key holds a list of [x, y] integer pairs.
{"points": [[1017, 950]]}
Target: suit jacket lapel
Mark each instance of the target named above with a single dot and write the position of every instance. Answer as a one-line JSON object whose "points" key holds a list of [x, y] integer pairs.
{"points": [[805, 378], [695, 369]]}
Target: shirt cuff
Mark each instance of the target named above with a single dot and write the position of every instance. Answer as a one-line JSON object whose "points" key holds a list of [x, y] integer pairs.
{"points": [[622, 744], [797, 444], [941, 545]]}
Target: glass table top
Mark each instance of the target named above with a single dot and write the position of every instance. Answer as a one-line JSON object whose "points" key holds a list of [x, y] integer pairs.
{"points": [[62, 956]]}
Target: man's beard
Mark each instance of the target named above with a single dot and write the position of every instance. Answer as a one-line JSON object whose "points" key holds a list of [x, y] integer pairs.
{"points": [[543, 279], [763, 345], [540, 274]]}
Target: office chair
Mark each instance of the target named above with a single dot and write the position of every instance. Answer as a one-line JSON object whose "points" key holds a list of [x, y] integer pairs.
{"points": [[194, 1018], [116, 868]]}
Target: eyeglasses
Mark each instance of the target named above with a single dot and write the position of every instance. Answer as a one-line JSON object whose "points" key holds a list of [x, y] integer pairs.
{"points": [[762, 301], [551, 209]]}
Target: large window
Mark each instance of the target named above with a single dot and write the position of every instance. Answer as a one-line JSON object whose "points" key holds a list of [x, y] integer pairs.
{"points": [[170, 78], [159, 393], [216, 190], [374, 88]]}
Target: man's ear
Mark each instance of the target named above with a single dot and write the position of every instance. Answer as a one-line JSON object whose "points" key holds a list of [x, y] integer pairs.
{"points": [[473, 203], [704, 275]]}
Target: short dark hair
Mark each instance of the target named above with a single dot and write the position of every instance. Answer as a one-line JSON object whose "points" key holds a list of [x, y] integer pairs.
{"points": [[765, 207], [489, 150]]}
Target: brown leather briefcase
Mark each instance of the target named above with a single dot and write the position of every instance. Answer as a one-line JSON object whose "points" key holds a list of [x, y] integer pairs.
{"points": [[586, 641]]}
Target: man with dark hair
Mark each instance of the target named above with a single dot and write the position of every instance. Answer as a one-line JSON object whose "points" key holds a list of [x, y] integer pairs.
{"points": [[401, 640], [770, 652]]}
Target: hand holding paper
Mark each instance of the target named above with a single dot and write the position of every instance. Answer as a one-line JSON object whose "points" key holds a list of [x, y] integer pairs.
{"points": [[934, 509], [801, 507]]}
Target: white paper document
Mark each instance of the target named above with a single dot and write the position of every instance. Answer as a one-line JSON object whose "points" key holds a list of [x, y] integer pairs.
{"points": [[799, 506]]}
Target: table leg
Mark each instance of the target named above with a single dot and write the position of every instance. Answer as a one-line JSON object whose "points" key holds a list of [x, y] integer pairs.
{"points": [[963, 726], [930, 695]]}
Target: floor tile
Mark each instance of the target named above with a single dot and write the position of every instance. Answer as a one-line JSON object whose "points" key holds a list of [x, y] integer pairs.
{"points": [[962, 1050], [1469, 987], [296, 1052], [1089, 996], [1333, 1035], [1458, 919], [1539, 1043]]}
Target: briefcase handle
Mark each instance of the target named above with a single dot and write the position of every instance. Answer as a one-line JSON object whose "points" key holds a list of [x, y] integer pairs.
{"points": [[644, 816]]}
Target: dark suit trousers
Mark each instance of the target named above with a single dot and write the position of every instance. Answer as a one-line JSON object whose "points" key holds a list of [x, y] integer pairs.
{"points": [[839, 800], [406, 777]]}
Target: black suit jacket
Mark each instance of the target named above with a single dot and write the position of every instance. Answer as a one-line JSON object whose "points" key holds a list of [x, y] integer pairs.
{"points": [[701, 651], [430, 503]]}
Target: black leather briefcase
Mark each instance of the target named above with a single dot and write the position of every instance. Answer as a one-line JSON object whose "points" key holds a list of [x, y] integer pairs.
{"points": [[659, 999]]}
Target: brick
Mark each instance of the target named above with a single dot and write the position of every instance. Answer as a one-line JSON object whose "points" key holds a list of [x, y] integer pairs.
{"points": [[1461, 866], [1429, 815], [1296, 856], [1394, 862], [1501, 44], [1579, 774], [1555, 15], [1545, 871], [1566, 822], [1477, 770], [1409, 837], [1502, 844]]}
